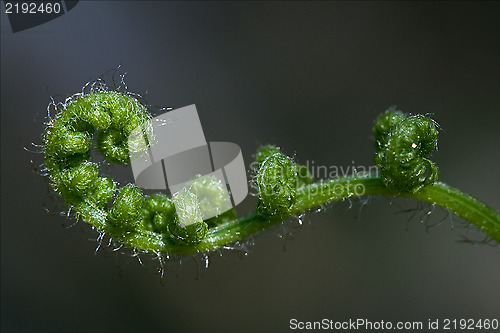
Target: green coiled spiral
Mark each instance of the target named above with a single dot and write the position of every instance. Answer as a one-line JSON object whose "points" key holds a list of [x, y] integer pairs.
{"points": [[278, 178], [105, 119], [403, 144]]}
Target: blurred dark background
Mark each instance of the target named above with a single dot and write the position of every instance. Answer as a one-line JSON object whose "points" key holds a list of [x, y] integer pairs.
{"points": [[310, 77]]}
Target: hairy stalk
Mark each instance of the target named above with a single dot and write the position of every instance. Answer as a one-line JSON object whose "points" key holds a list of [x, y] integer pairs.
{"points": [[328, 192], [439, 194]]}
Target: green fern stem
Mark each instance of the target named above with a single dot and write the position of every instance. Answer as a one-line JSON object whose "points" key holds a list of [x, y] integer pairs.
{"points": [[328, 192]]}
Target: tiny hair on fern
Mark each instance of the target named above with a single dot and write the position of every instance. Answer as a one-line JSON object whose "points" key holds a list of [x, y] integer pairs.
{"points": [[156, 223]]}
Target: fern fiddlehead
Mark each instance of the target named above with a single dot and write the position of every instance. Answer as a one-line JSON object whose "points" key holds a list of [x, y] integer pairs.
{"points": [[157, 223], [402, 145]]}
